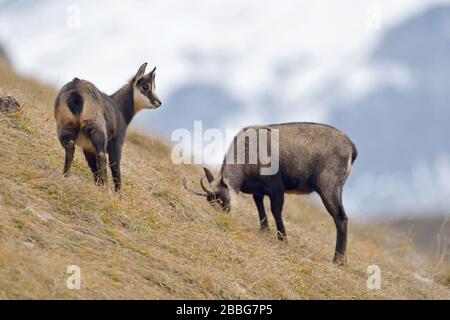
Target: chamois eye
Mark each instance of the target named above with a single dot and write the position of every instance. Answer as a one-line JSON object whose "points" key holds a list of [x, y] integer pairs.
{"points": [[145, 86]]}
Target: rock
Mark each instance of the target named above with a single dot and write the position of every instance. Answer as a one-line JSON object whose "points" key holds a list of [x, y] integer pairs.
{"points": [[8, 104], [28, 244]]}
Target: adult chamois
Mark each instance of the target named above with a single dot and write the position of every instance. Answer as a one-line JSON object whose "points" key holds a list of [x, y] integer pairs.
{"points": [[311, 157], [97, 122]]}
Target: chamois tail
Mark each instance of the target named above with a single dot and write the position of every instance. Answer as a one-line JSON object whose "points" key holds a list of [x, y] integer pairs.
{"points": [[75, 103]]}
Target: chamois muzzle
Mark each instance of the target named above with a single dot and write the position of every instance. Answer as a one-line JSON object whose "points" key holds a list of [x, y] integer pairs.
{"points": [[219, 198], [155, 102]]}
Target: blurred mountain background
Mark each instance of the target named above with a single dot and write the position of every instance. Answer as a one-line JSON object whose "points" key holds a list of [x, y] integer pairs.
{"points": [[379, 72], [401, 128]]}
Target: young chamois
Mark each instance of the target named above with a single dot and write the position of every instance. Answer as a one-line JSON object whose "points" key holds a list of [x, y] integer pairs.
{"points": [[97, 122], [311, 157]]}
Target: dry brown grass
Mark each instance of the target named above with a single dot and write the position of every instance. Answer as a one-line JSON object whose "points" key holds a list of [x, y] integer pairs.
{"points": [[156, 241]]}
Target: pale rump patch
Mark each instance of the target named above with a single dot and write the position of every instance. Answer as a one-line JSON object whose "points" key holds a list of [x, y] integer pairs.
{"points": [[64, 116], [89, 112], [85, 143]]}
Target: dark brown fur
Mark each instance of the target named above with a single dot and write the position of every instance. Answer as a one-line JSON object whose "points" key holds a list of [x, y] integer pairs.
{"points": [[312, 157], [97, 123]]}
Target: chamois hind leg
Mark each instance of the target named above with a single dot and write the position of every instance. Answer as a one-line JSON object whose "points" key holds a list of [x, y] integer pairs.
{"points": [[98, 138], [114, 152], [259, 202], [67, 140], [92, 162], [332, 199]]}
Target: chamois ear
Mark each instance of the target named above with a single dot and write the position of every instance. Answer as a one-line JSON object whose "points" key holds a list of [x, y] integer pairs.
{"points": [[209, 175], [140, 72], [225, 182], [152, 74]]}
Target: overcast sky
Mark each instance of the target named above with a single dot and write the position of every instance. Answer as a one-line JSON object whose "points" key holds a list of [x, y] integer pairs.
{"points": [[242, 44]]}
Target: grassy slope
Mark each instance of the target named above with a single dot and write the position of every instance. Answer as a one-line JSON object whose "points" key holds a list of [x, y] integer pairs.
{"points": [[155, 240]]}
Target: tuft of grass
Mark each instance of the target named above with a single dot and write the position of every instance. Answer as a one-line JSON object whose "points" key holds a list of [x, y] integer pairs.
{"points": [[225, 222]]}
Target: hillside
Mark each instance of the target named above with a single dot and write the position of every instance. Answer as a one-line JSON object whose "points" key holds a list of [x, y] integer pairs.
{"points": [[154, 240]]}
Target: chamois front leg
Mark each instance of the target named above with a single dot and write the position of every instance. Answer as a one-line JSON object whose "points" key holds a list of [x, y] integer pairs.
{"points": [[114, 151], [259, 202]]}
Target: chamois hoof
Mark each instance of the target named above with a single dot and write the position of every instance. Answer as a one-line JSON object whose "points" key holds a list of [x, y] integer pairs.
{"points": [[282, 237], [101, 182], [339, 260], [264, 229]]}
